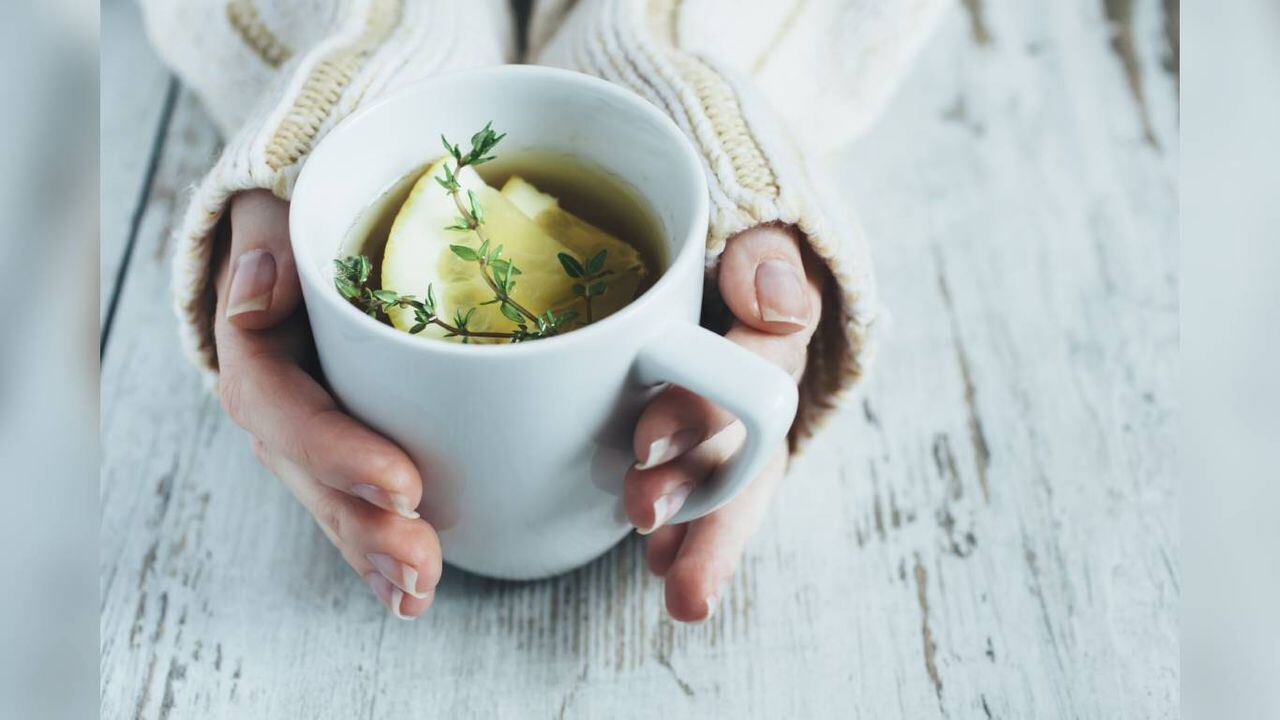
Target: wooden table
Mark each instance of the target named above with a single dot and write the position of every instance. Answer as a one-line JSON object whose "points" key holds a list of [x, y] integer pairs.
{"points": [[986, 529]]}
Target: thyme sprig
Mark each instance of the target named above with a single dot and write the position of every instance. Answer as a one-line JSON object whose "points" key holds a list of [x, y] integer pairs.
{"points": [[352, 273], [352, 281], [471, 218], [590, 273]]}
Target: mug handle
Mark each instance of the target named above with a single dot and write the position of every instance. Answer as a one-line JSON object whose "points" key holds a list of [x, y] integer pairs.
{"points": [[759, 393]]}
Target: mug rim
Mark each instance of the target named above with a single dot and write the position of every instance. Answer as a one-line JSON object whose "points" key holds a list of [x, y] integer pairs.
{"points": [[693, 242]]}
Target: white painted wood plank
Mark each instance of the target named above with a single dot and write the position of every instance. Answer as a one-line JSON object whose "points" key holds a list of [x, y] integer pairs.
{"points": [[1027, 246], [134, 85], [987, 529]]}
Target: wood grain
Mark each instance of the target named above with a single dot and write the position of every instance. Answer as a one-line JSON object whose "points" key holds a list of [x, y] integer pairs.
{"points": [[987, 528], [137, 99]]}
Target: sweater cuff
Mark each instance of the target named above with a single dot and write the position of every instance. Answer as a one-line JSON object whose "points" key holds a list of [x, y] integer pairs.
{"points": [[843, 344], [755, 173], [758, 177], [377, 47]]}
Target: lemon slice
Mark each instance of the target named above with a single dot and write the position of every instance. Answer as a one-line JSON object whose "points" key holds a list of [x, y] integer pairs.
{"points": [[417, 256], [626, 269], [528, 198]]}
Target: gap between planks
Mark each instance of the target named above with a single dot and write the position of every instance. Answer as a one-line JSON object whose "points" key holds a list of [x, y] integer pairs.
{"points": [[139, 208]]}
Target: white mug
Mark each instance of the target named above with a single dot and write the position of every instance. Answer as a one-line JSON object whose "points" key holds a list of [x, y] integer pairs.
{"points": [[523, 447]]}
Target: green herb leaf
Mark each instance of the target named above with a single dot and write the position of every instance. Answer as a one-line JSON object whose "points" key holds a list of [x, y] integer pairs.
{"points": [[464, 252], [345, 288], [597, 288], [597, 262], [449, 182], [386, 297], [343, 269], [478, 138], [572, 267], [481, 143], [512, 314], [451, 149], [579, 290], [417, 328]]}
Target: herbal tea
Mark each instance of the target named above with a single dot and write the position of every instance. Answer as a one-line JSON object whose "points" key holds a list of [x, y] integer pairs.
{"points": [[477, 248]]}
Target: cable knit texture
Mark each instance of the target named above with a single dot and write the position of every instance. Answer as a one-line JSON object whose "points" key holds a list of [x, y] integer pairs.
{"points": [[756, 86], [369, 47], [755, 169]]}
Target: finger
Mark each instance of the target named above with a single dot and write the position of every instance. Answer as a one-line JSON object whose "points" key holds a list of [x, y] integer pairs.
{"points": [[712, 546], [267, 393], [652, 497], [678, 420], [660, 548], [399, 558], [789, 352], [263, 285], [764, 283], [674, 422]]}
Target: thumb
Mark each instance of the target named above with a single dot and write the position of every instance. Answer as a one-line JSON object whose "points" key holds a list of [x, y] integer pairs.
{"points": [[763, 281], [263, 286]]}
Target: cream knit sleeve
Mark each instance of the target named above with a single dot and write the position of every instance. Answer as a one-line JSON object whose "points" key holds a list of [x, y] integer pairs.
{"points": [[276, 75], [751, 84]]}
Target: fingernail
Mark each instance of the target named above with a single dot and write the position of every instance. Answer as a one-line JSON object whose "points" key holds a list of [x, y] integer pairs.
{"points": [[666, 506], [394, 502], [402, 575], [781, 294], [252, 280], [713, 600], [389, 594], [402, 507], [669, 447]]}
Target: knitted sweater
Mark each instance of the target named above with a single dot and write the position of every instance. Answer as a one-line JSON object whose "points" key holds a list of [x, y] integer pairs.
{"points": [[757, 86]]}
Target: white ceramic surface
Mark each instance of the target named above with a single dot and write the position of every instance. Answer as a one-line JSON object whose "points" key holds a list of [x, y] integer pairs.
{"points": [[523, 448]]}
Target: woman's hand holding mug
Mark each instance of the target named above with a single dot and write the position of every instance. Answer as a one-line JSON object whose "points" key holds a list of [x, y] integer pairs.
{"points": [[364, 490]]}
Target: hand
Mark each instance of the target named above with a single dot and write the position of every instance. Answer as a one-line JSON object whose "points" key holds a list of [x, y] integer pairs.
{"points": [[776, 299], [360, 488]]}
